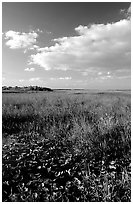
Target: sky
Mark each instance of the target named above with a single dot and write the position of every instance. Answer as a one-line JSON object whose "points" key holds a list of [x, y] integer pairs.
{"points": [[65, 45]]}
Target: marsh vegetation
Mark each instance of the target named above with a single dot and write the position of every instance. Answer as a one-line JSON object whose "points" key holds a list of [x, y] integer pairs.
{"points": [[66, 147]]}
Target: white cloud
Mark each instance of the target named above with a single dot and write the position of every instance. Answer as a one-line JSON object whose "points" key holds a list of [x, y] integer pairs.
{"points": [[62, 67], [29, 69], [65, 78], [126, 12], [124, 77], [52, 78], [60, 78], [99, 73], [34, 47], [16, 40], [34, 79], [85, 73], [21, 80], [129, 10], [39, 31], [96, 48]]}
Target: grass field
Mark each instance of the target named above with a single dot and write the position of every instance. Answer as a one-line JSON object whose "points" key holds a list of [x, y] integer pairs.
{"points": [[66, 146]]}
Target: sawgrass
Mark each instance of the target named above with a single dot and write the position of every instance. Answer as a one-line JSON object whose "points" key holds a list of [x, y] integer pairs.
{"points": [[66, 147]]}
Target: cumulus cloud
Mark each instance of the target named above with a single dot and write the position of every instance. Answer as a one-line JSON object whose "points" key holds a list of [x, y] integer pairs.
{"points": [[34, 47], [126, 12], [29, 69], [95, 48], [21, 80], [16, 40]]}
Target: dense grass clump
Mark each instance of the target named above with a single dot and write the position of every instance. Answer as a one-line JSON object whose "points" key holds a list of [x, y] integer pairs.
{"points": [[66, 147]]}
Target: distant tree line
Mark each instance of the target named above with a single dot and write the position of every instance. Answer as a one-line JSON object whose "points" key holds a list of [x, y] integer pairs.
{"points": [[25, 88]]}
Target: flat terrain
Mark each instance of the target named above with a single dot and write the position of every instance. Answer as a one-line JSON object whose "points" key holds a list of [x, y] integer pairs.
{"points": [[66, 145]]}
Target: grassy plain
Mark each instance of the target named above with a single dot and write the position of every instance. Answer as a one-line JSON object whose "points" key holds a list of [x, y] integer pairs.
{"points": [[66, 146]]}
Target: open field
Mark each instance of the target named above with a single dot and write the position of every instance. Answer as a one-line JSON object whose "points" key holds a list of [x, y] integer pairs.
{"points": [[66, 146]]}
